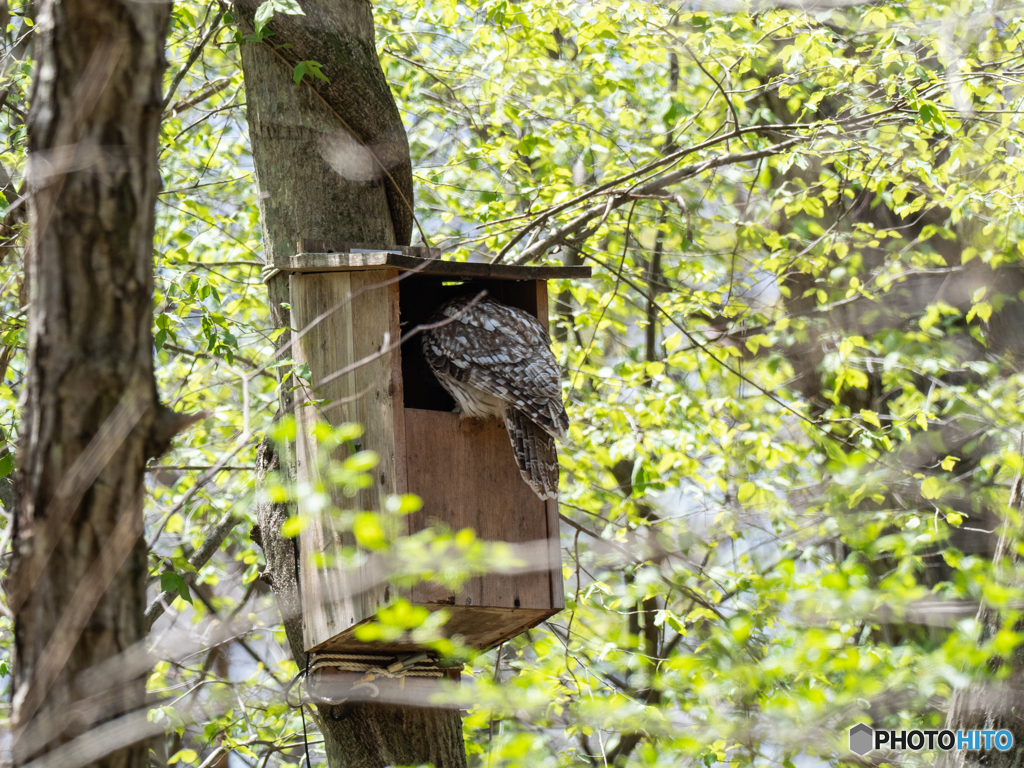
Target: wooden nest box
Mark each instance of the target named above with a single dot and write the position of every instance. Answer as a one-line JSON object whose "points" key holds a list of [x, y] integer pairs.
{"points": [[464, 472]]}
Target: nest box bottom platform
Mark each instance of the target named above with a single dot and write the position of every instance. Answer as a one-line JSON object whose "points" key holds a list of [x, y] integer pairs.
{"points": [[480, 627], [381, 678]]}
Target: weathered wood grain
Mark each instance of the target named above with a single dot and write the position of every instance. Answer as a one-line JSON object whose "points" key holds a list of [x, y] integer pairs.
{"points": [[333, 597], [379, 258], [467, 477], [464, 470], [332, 685], [553, 523]]}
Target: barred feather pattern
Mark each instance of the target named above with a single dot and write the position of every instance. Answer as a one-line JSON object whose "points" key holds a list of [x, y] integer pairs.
{"points": [[535, 453], [496, 362]]}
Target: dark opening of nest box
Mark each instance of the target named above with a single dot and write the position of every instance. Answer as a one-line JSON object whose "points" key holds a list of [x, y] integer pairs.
{"points": [[464, 471]]}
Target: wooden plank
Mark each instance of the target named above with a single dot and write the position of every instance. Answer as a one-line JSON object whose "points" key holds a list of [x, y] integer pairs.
{"points": [[335, 598], [323, 604], [553, 522], [312, 261], [331, 685], [479, 627], [467, 477], [396, 391], [555, 556]]}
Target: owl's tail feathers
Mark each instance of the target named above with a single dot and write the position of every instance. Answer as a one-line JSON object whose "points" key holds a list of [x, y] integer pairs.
{"points": [[535, 453]]}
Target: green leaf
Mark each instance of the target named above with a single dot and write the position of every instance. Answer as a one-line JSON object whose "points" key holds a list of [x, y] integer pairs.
{"points": [[6, 464], [368, 530], [405, 504], [311, 68], [270, 7], [870, 417], [814, 207], [294, 525], [184, 756], [182, 565], [746, 492], [172, 582], [931, 487], [361, 461]]}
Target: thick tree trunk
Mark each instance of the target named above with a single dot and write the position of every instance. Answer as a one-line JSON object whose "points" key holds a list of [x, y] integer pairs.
{"points": [[332, 163], [345, 167], [91, 420], [991, 705]]}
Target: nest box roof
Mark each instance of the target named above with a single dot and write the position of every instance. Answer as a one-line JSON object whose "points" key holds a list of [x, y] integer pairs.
{"points": [[318, 256]]}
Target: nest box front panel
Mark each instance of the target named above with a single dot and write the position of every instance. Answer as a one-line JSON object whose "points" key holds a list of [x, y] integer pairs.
{"points": [[465, 472], [343, 317], [467, 478]]}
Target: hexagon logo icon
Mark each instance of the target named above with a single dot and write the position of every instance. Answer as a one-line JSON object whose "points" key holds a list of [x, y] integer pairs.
{"points": [[862, 738]]}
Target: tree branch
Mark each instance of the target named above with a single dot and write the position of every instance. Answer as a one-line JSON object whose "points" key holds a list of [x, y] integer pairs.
{"points": [[197, 51], [199, 558]]}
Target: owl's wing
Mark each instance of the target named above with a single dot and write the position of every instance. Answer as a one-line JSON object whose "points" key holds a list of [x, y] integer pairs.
{"points": [[504, 352], [535, 453]]}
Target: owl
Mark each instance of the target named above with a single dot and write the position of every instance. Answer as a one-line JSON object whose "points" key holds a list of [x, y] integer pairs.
{"points": [[496, 362]]}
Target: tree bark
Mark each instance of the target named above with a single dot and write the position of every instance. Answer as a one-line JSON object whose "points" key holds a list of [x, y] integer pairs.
{"points": [[91, 419], [332, 164], [347, 130], [991, 705]]}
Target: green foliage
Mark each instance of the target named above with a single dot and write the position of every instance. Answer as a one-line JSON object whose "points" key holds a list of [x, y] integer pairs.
{"points": [[310, 68], [268, 8], [792, 390], [794, 379], [170, 581]]}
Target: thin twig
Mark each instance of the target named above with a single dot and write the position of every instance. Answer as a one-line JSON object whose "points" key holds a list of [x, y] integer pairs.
{"points": [[197, 51], [719, 86], [199, 558]]}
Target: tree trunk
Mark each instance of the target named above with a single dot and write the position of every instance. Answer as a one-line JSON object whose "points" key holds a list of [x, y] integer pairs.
{"points": [[990, 705], [332, 164], [91, 419]]}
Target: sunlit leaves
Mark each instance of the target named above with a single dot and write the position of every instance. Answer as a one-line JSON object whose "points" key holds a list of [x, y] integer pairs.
{"points": [[889, 366], [268, 8]]}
